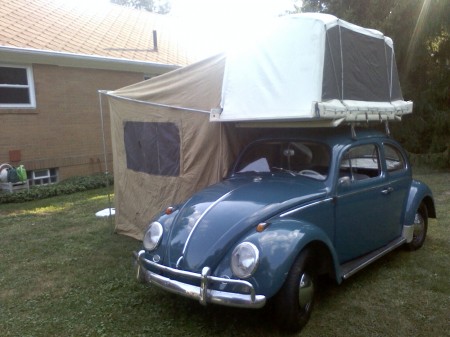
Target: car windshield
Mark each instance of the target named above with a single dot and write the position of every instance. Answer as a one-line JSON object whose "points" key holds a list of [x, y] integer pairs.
{"points": [[305, 158]]}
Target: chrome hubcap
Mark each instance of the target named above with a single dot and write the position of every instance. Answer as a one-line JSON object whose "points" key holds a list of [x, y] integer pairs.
{"points": [[305, 291], [419, 226]]}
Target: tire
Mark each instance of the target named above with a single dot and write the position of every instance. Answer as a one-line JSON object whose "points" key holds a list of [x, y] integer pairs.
{"points": [[420, 228], [294, 302]]}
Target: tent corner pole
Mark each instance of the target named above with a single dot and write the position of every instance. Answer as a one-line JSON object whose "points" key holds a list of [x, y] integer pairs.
{"points": [[100, 94]]}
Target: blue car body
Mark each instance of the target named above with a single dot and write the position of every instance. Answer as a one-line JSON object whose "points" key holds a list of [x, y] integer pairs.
{"points": [[352, 200]]}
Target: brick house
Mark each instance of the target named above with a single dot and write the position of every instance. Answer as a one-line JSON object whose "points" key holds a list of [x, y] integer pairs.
{"points": [[54, 57]]}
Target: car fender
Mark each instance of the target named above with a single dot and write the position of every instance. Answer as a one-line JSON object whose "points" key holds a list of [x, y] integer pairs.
{"points": [[418, 193], [280, 244]]}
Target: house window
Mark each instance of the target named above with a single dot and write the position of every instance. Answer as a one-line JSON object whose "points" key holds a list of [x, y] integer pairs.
{"points": [[43, 177], [16, 87]]}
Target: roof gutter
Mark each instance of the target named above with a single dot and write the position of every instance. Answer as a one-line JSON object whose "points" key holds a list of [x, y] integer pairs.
{"points": [[27, 55]]}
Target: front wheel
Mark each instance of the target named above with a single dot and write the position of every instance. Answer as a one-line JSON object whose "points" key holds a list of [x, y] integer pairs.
{"points": [[295, 300], [420, 228]]}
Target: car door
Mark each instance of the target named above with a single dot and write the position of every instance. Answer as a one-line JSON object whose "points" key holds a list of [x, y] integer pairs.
{"points": [[395, 165], [362, 219]]}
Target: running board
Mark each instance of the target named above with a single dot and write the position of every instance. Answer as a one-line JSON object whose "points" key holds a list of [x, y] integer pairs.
{"points": [[351, 267]]}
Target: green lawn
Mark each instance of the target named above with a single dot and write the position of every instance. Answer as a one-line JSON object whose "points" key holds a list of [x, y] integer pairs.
{"points": [[64, 273]]}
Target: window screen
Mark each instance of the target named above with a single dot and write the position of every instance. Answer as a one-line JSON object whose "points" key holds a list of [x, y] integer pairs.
{"points": [[152, 148]]}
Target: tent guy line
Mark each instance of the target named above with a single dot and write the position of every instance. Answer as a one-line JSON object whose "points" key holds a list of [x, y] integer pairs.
{"points": [[110, 94]]}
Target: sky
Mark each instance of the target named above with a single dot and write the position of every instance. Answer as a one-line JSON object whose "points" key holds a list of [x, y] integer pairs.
{"points": [[219, 23], [219, 8], [212, 25], [232, 9]]}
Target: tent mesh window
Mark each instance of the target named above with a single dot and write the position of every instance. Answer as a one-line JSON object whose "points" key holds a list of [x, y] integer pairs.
{"points": [[153, 148]]}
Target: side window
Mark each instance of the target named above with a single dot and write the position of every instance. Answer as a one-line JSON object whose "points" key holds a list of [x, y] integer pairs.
{"points": [[360, 163], [16, 87], [394, 159]]}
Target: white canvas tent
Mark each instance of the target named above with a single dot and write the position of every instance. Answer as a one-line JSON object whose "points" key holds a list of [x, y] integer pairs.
{"points": [[313, 66], [309, 69]]}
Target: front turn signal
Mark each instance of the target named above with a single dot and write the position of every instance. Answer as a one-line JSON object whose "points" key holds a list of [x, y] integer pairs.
{"points": [[261, 227]]}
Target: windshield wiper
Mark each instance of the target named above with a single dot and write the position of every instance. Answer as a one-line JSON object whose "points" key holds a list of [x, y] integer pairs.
{"points": [[284, 170]]}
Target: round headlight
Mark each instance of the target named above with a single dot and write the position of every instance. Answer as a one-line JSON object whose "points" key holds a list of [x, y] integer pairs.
{"points": [[244, 259], [153, 236]]}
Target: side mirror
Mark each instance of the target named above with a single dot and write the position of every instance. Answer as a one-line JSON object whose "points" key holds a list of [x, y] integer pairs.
{"points": [[344, 181]]}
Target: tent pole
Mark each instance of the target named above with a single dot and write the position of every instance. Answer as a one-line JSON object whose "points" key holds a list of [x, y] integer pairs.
{"points": [[100, 93], [352, 127], [386, 127]]}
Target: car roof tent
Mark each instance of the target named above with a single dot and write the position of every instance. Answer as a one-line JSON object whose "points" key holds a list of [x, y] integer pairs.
{"points": [[312, 67]]}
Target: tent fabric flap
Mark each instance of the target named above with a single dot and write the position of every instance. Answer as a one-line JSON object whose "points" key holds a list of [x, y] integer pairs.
{"points": [[261, 81], [197, 87]]}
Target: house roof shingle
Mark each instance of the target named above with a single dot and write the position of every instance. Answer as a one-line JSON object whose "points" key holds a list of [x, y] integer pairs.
{"points": [[110, 31]]}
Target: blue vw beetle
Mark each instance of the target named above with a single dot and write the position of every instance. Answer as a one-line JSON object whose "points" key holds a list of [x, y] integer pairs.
{"points": [[328, 202]]}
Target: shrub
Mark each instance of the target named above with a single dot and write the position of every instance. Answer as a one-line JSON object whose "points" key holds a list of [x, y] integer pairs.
{"points": [[68, 186], [439, 161]]}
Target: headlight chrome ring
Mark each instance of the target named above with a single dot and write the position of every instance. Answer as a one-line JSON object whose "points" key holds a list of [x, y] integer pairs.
{"points": [[244, 260], [153, 236]]}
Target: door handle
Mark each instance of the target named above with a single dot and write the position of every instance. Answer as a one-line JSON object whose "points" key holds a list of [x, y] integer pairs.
{"points": [[388, 190]]}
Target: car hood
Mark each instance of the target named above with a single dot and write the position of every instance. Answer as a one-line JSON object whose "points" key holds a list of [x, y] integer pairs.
{"points": [[210, 222]]}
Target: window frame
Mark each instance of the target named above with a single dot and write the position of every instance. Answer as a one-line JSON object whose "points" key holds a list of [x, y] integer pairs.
{"points": [[29, 86], [402, 160], [355, 172], [51, 176]]}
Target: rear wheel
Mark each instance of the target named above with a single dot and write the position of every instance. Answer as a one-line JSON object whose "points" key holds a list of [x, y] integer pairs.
{"points": [[420, 228], [295, 301]]}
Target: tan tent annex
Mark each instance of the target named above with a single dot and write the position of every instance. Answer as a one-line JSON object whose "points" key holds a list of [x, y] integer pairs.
{"points": [[164, 146], [179, 132]]}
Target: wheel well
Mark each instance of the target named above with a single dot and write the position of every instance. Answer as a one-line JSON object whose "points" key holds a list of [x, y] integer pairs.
{"points": [[322, 258], [428, 202]]}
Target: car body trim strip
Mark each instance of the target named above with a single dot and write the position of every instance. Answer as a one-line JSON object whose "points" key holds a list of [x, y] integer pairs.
{"points": [[304, 207]]}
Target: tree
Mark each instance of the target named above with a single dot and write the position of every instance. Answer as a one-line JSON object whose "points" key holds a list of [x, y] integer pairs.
{"points": [[156, 6], [313, 6], [420, 30], [423, 58]]}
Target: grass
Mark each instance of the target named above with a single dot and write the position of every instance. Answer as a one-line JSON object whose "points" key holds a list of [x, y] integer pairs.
{"points": [[64, 273]]}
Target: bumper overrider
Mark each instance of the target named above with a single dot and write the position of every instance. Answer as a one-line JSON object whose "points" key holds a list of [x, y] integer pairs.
{"points": [[202, 292]]}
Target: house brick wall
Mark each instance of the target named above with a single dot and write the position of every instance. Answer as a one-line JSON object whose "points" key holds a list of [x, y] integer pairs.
{"points": [[64, 131]]}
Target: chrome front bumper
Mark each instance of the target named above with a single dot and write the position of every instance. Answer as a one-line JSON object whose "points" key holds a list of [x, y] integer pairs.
{"points": [[201, 293]]}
